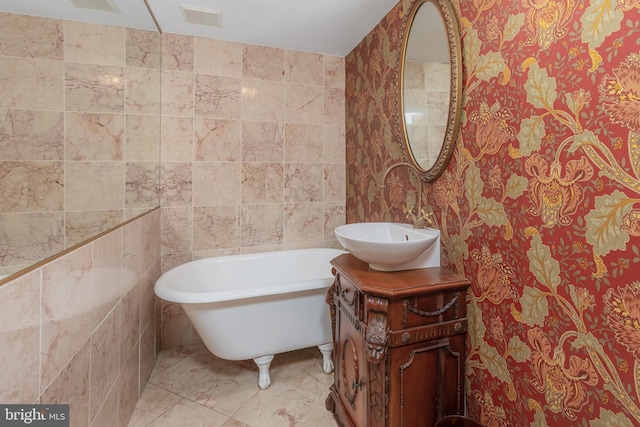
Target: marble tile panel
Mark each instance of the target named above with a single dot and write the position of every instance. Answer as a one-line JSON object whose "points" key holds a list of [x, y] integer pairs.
{"points": [[176, 328], [234, 423], [20, 339], [215, 252], [413, 77], [217, 139], [334, 71], [98, 44], [129, 387], [177, 139], [67, 319], [177, 52], [90, 136], [285, 405], [147, 299], [80, 226], [142, 138], [262, 141], [106, 190], [151, 242], [438, 108], [71, 387], [129, 325], [134, 212], [107, 264], [147, 353], [186, 412], [143, 48], [215, 227], [304, 103], [132, 257], [31, 36], [142, 185], [334, 144], [216, 183], [153, 402], [143, 90], [303, 143], [262, 183], [334, 216], [176, 184], [173, 260], [94, 88], [31, 135], [335, 182], [30, 237], [177, 93], [218, 57], [303, 67], [302, 369], [261, 62], [334, 106], [177, 230], [217, 97], [105, 362], [108, 414], [31, 186], [32, 84], [303, 182], [261, 224], [438, 76], [263, 100], [230, 386], [186, 369], [303, 222]]}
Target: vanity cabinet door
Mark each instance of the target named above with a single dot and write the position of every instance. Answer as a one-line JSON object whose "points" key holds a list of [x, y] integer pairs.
{"points": [[426, 381], [350, 366]]}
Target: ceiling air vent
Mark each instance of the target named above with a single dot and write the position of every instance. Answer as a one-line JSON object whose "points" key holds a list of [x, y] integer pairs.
{"points": [[102, 5], [201, 16]]}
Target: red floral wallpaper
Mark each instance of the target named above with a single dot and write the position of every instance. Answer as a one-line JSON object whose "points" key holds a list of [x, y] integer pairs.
{"points": [[539, 206]]}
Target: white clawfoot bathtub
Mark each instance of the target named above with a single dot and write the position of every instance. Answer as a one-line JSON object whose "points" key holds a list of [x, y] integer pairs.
{"points": [[257, 305]]}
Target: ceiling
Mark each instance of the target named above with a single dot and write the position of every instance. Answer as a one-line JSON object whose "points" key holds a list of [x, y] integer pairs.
{"points": [[332, 27]]}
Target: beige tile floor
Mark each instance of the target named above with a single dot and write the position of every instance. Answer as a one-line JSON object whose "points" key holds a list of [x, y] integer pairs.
{"points": [[191, 387]]}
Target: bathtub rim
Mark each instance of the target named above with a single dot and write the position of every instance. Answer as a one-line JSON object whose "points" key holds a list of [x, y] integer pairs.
{"points": [[162, 290]]}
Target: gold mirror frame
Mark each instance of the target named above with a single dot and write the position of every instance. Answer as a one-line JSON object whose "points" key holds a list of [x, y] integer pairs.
{"points": [[448, 16]]}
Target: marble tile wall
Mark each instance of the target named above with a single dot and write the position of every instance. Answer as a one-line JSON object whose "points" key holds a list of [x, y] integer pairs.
{"points": [[81, 329], [426, 95], [253, 154], [79, 132]]}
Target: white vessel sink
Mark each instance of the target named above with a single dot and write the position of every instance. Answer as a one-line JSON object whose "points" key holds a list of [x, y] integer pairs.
{"points": [[388, 246]]}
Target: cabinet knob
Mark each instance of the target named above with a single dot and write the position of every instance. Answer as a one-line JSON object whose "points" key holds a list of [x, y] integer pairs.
{"points": [[457, 327]]}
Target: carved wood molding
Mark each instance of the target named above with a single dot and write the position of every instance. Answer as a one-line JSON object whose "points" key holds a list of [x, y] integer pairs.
{"points": [[412, 308], [356, 384], [377, 329], [332, 307], [377, 387], [355, 322]]}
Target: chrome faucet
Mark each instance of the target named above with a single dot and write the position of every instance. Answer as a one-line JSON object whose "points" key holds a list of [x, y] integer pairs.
{"points": [[416, 214]]}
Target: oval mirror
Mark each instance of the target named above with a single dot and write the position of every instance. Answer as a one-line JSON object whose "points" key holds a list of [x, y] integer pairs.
{"points": [[430, 85]]}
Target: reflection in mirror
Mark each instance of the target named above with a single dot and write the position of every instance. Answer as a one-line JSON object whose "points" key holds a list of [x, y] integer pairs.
{"points": [[79, 133], [430, 85]]}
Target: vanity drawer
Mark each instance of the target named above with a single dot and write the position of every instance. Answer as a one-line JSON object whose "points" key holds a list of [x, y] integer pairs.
{"points": [[438, 307], [348, 297]]}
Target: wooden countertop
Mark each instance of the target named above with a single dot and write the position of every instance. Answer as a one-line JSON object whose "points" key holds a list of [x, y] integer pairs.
{"points": [[397, 284]]}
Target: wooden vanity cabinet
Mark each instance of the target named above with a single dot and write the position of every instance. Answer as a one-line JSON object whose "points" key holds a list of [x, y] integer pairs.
{"points": [[399, 345]]}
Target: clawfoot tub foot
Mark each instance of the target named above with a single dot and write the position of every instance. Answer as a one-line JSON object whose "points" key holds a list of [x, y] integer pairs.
{"points": [[263, 362], [327, 360]]}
